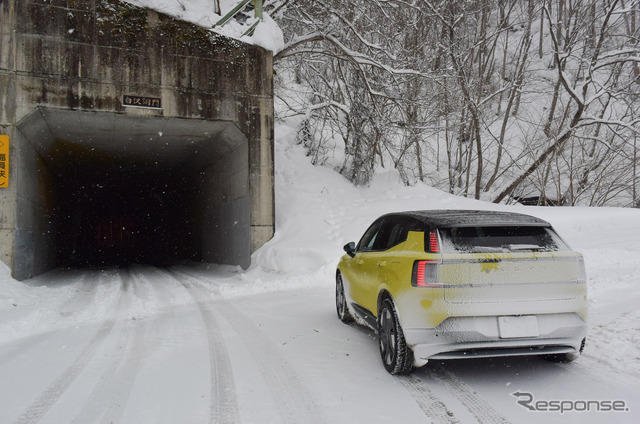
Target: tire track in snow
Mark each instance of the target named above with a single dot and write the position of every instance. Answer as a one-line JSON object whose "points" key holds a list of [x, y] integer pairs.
{"points": [[41, 405], [591, 368], [109, 397], [293, 400], [83, 296], [479, 408], [433, 407], [224, 405]]}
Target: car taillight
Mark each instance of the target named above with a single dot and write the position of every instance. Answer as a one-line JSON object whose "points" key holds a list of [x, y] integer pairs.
{"points": [[425, 274], [434, 247]]}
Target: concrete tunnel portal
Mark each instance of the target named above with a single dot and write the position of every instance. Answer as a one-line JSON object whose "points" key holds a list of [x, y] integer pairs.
{"points": [[129, 189], [133, 137]]}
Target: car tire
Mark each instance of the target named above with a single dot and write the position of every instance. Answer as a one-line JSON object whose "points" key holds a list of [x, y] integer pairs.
{"points": [[397, 357], [341, 302]]}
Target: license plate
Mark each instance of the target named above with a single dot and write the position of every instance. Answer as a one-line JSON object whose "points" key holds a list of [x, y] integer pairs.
{"points": [[518, 326]]}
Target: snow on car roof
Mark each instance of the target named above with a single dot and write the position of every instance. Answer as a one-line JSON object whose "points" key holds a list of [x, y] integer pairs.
{"points": [[467, 218]]}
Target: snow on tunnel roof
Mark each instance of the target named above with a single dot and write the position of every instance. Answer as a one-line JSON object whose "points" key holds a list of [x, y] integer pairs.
{"points": [[202, 13]]}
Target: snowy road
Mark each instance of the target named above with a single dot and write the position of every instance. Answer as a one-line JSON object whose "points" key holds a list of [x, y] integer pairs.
{"points": [[149, 345]]}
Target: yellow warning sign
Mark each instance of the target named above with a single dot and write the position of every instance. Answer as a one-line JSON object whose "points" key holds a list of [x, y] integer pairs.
{"points": [[4, 161]]}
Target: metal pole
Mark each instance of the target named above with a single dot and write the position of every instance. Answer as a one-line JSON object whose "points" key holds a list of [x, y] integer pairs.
{"points": [[257, 5], [233, 12]]}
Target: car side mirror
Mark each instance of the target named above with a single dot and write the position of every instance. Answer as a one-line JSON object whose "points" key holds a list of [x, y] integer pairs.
{"points": [[350, 248]]}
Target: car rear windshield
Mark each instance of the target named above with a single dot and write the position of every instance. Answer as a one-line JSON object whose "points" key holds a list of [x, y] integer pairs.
{"points": [[500, 239]]}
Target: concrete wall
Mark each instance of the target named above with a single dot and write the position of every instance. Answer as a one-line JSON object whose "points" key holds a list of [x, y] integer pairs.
{"points": [[227, 212], [85, 55], [34, 231]]}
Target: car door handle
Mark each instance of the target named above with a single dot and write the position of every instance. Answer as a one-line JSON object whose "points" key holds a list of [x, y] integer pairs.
{"points": [[359, 261], [382, 263]]}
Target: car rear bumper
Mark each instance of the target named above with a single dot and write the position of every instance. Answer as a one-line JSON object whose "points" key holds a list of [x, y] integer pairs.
{"points": [[474, 337]]}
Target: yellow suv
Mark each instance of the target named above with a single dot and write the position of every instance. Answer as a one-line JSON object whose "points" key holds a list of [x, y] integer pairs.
{"points": [[448, 284]]}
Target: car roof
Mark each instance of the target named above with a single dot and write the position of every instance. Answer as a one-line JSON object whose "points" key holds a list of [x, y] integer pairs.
{"points": [[470, 218]]}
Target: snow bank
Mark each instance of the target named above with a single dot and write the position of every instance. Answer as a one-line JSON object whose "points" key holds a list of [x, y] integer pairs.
{"points": [[318, 211], [13, 293]]}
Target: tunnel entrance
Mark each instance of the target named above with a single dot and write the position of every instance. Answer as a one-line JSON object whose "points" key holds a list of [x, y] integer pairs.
{"points": [[113, 189], [133, 137]]}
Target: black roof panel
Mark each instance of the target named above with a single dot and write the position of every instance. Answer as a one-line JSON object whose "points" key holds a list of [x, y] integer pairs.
{"points": [[471, 218]]}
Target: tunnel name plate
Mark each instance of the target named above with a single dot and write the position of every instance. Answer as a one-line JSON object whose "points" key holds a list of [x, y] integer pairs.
{"points": [[4, 161], [138, 101]]}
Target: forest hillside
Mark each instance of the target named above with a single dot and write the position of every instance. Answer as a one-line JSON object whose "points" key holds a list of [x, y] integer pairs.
{"points": [[500, 100]]}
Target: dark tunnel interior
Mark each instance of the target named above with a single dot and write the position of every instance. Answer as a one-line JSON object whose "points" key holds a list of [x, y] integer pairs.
{"points": [[128, 215]]}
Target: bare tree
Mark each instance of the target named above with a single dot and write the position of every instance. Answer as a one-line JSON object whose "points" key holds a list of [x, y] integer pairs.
{"points": [[592, 86]]}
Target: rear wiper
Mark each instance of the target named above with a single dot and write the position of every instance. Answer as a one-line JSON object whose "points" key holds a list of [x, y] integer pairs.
{"points": [[487, 249], [522, 247]]}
